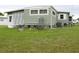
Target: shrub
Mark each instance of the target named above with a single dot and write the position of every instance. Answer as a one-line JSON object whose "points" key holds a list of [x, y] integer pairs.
{"points": [[59, 24]]}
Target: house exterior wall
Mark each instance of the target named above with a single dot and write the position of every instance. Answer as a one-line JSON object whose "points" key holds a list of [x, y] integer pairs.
{"points": [[26, 18], [49, 19], [53, 17], [64, 20], [17, 19]]}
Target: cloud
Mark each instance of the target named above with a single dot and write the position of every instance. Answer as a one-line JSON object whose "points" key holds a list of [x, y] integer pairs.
{"points": [[39, 2], [73, 9]]}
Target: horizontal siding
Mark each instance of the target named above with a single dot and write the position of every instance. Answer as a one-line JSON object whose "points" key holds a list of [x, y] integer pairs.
{"points": [[20, 18], [34, 19]]}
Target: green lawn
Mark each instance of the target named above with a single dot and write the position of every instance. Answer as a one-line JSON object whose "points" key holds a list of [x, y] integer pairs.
{"points": [[55, 40]]}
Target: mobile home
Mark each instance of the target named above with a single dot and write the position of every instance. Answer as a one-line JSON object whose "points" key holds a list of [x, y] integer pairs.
{"points": [[33, 16], [40, 15], [46, 16], [63, 18]]}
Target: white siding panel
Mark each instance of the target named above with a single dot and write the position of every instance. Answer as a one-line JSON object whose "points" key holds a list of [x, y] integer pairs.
{"points": [[18, 18], [65, 16]]}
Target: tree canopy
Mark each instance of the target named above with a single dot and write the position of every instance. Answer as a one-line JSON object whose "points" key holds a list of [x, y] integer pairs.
{"points": [[1, 14]]}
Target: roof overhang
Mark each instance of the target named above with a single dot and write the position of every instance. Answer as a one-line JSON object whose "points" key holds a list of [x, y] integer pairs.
{"points": [[19, 10], [64, 12]]}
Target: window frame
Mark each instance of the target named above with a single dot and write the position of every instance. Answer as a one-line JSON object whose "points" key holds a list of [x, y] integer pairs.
{"points": [[38, 12], [43, 10], [33, 14], [61, 17], [53, 12], [34, 10], [70, 18]]}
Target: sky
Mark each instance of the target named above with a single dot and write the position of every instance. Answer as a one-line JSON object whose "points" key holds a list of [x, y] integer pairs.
{"points": [[73, 9], [60, 5]]}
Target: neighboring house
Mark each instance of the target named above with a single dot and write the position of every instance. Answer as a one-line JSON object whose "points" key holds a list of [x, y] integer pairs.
{"points": [[33, 16], [3, 20], [46, 16], [74, 21], [63, 18]]}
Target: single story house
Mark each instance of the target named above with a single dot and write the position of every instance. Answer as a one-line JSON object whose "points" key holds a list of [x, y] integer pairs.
{"points": [[63, 18], [46, 16], [74, 21], [40, 15], [33, 16], [3, 20]]}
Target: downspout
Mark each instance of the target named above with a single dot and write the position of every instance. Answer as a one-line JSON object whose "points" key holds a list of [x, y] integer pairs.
{"points": [[51, 20], [56, 18]]}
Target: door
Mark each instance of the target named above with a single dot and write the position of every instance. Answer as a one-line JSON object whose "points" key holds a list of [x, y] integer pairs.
{"points": [[10, 18]]}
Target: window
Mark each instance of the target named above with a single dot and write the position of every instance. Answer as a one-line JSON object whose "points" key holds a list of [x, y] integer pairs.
{"points": [[39, 12], [70, 18], [61, 16], [34, 11], [10, 18], [53, 12], [43, 11]]}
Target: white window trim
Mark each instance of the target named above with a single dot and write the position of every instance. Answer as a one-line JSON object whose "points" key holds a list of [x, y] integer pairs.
{"points": [[33, 9], [63, 16], [44, 14], [54, 12], [38, 12]]}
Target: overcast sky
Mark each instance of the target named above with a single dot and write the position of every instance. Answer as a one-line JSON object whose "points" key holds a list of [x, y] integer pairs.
{"points": [[60, 5], [73, 9]]}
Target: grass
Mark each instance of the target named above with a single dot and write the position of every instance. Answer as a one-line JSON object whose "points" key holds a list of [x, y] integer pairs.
{"points": [[48, 40]]}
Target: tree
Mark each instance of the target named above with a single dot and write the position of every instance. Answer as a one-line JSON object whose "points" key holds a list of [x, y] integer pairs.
{"points": [[78, 19], [1, 14]]}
